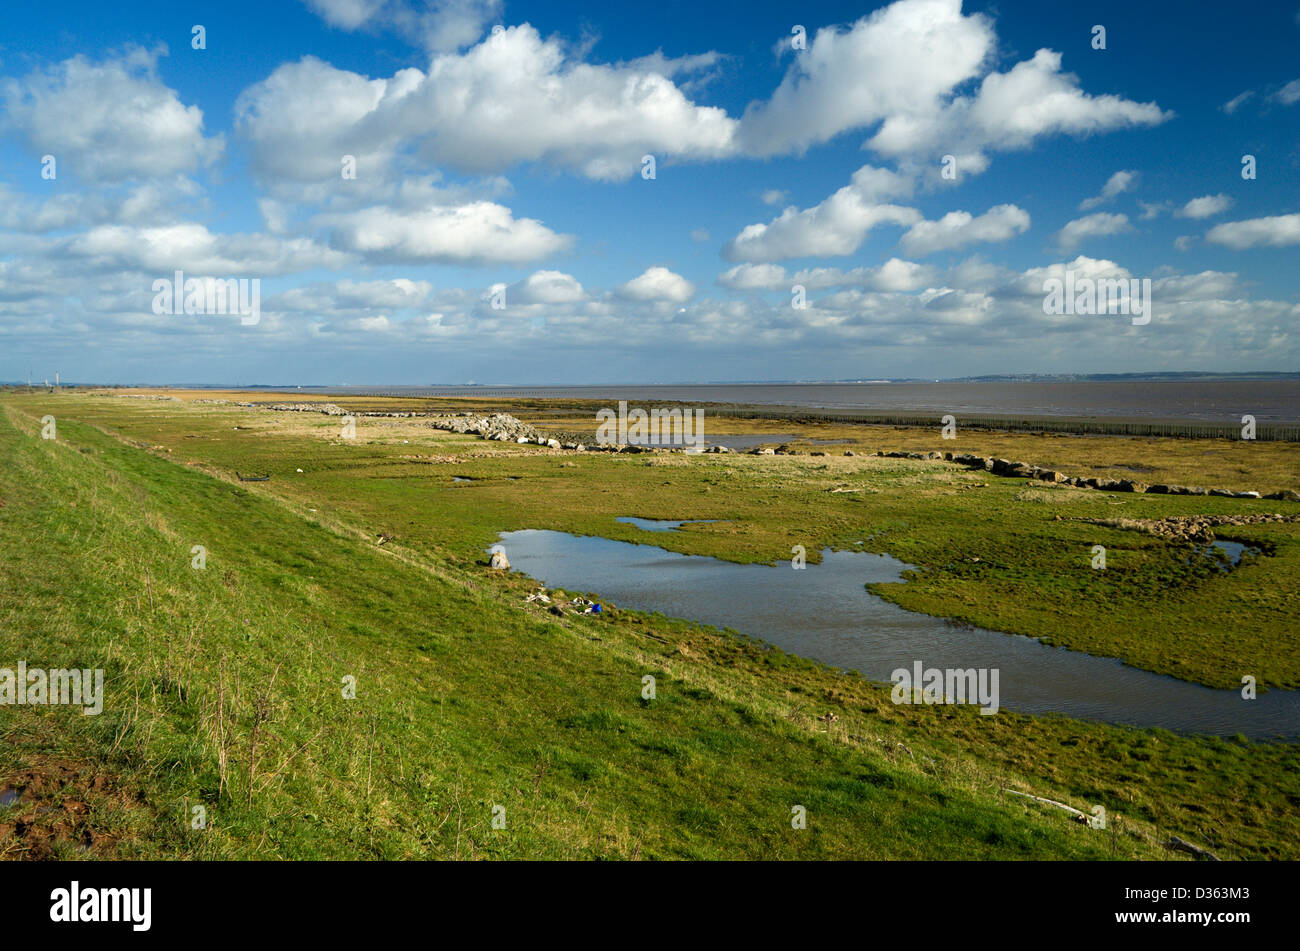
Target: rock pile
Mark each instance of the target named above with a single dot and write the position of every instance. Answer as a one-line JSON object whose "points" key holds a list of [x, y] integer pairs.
{"points": [[899, 454], [1023, 470], [1190, 528], [330, 409], [501, 427]]}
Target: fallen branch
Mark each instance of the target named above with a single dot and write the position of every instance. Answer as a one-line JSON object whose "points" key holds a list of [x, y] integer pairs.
{"points": [[1181, 845], [1082, 816]]}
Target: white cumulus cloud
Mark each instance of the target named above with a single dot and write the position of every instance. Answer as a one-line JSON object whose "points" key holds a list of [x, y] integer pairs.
{"points": [[1099, 225], [658, 284], [110, 121], [959, 228], [1277, 231], [836, 226], [547, 287], [1207, 206], [481, 232]]}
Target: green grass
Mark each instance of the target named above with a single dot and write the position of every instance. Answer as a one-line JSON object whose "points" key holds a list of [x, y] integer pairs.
{"points": [[468, 700]]}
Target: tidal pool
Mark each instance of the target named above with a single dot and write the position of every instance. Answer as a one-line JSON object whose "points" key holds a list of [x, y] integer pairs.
{"points": [[824, 613], [1234, 550], [660, 524]]}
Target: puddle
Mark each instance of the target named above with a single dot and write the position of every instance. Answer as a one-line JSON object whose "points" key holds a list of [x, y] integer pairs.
{"points": [[460, 479], [1227, 555], [825, 613], [1234, 550], [660, 524], [8, 797]]}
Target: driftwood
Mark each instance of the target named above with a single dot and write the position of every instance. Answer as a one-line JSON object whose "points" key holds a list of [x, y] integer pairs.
{"points": [[1182, 845], [1081, 816]]}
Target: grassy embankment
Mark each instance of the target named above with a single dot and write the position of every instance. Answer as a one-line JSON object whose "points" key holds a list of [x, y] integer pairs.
{"points": [[467, 700]]}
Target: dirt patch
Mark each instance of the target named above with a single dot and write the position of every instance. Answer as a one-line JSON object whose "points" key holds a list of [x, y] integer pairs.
{"points": [[52, 808]]}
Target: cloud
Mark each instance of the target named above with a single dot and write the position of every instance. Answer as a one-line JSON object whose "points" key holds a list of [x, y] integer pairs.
{"points": [[1207, 285], [346, 14], [1010, 111], [1035, 98], [774, 196], [987, 317], [1289, 94], [1276, 232], [899, 275], [1098, 225], [894, 275], [306, 116], [1117, 184], [192, 247], [512, 98], [108, 122], [515, 97], [699, 235], [547, 287], [835, 226], [1184, 242], [438, 25], [754, 277], [959, 228], [658, 284], [151, 203], [481, 232], [1152, 209], [899, 61], [1236, 102], [342, 296], [1207, 206]]}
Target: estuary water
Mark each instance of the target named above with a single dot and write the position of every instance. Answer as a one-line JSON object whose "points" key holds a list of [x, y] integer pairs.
{"points": [[1221, 401]]}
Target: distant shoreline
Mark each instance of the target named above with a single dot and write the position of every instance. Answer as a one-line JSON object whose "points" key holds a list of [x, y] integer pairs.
{"points": [[1181, 409]]}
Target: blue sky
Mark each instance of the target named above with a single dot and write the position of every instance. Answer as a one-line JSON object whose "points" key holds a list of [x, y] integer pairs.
{"points": [[499, 159]]}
